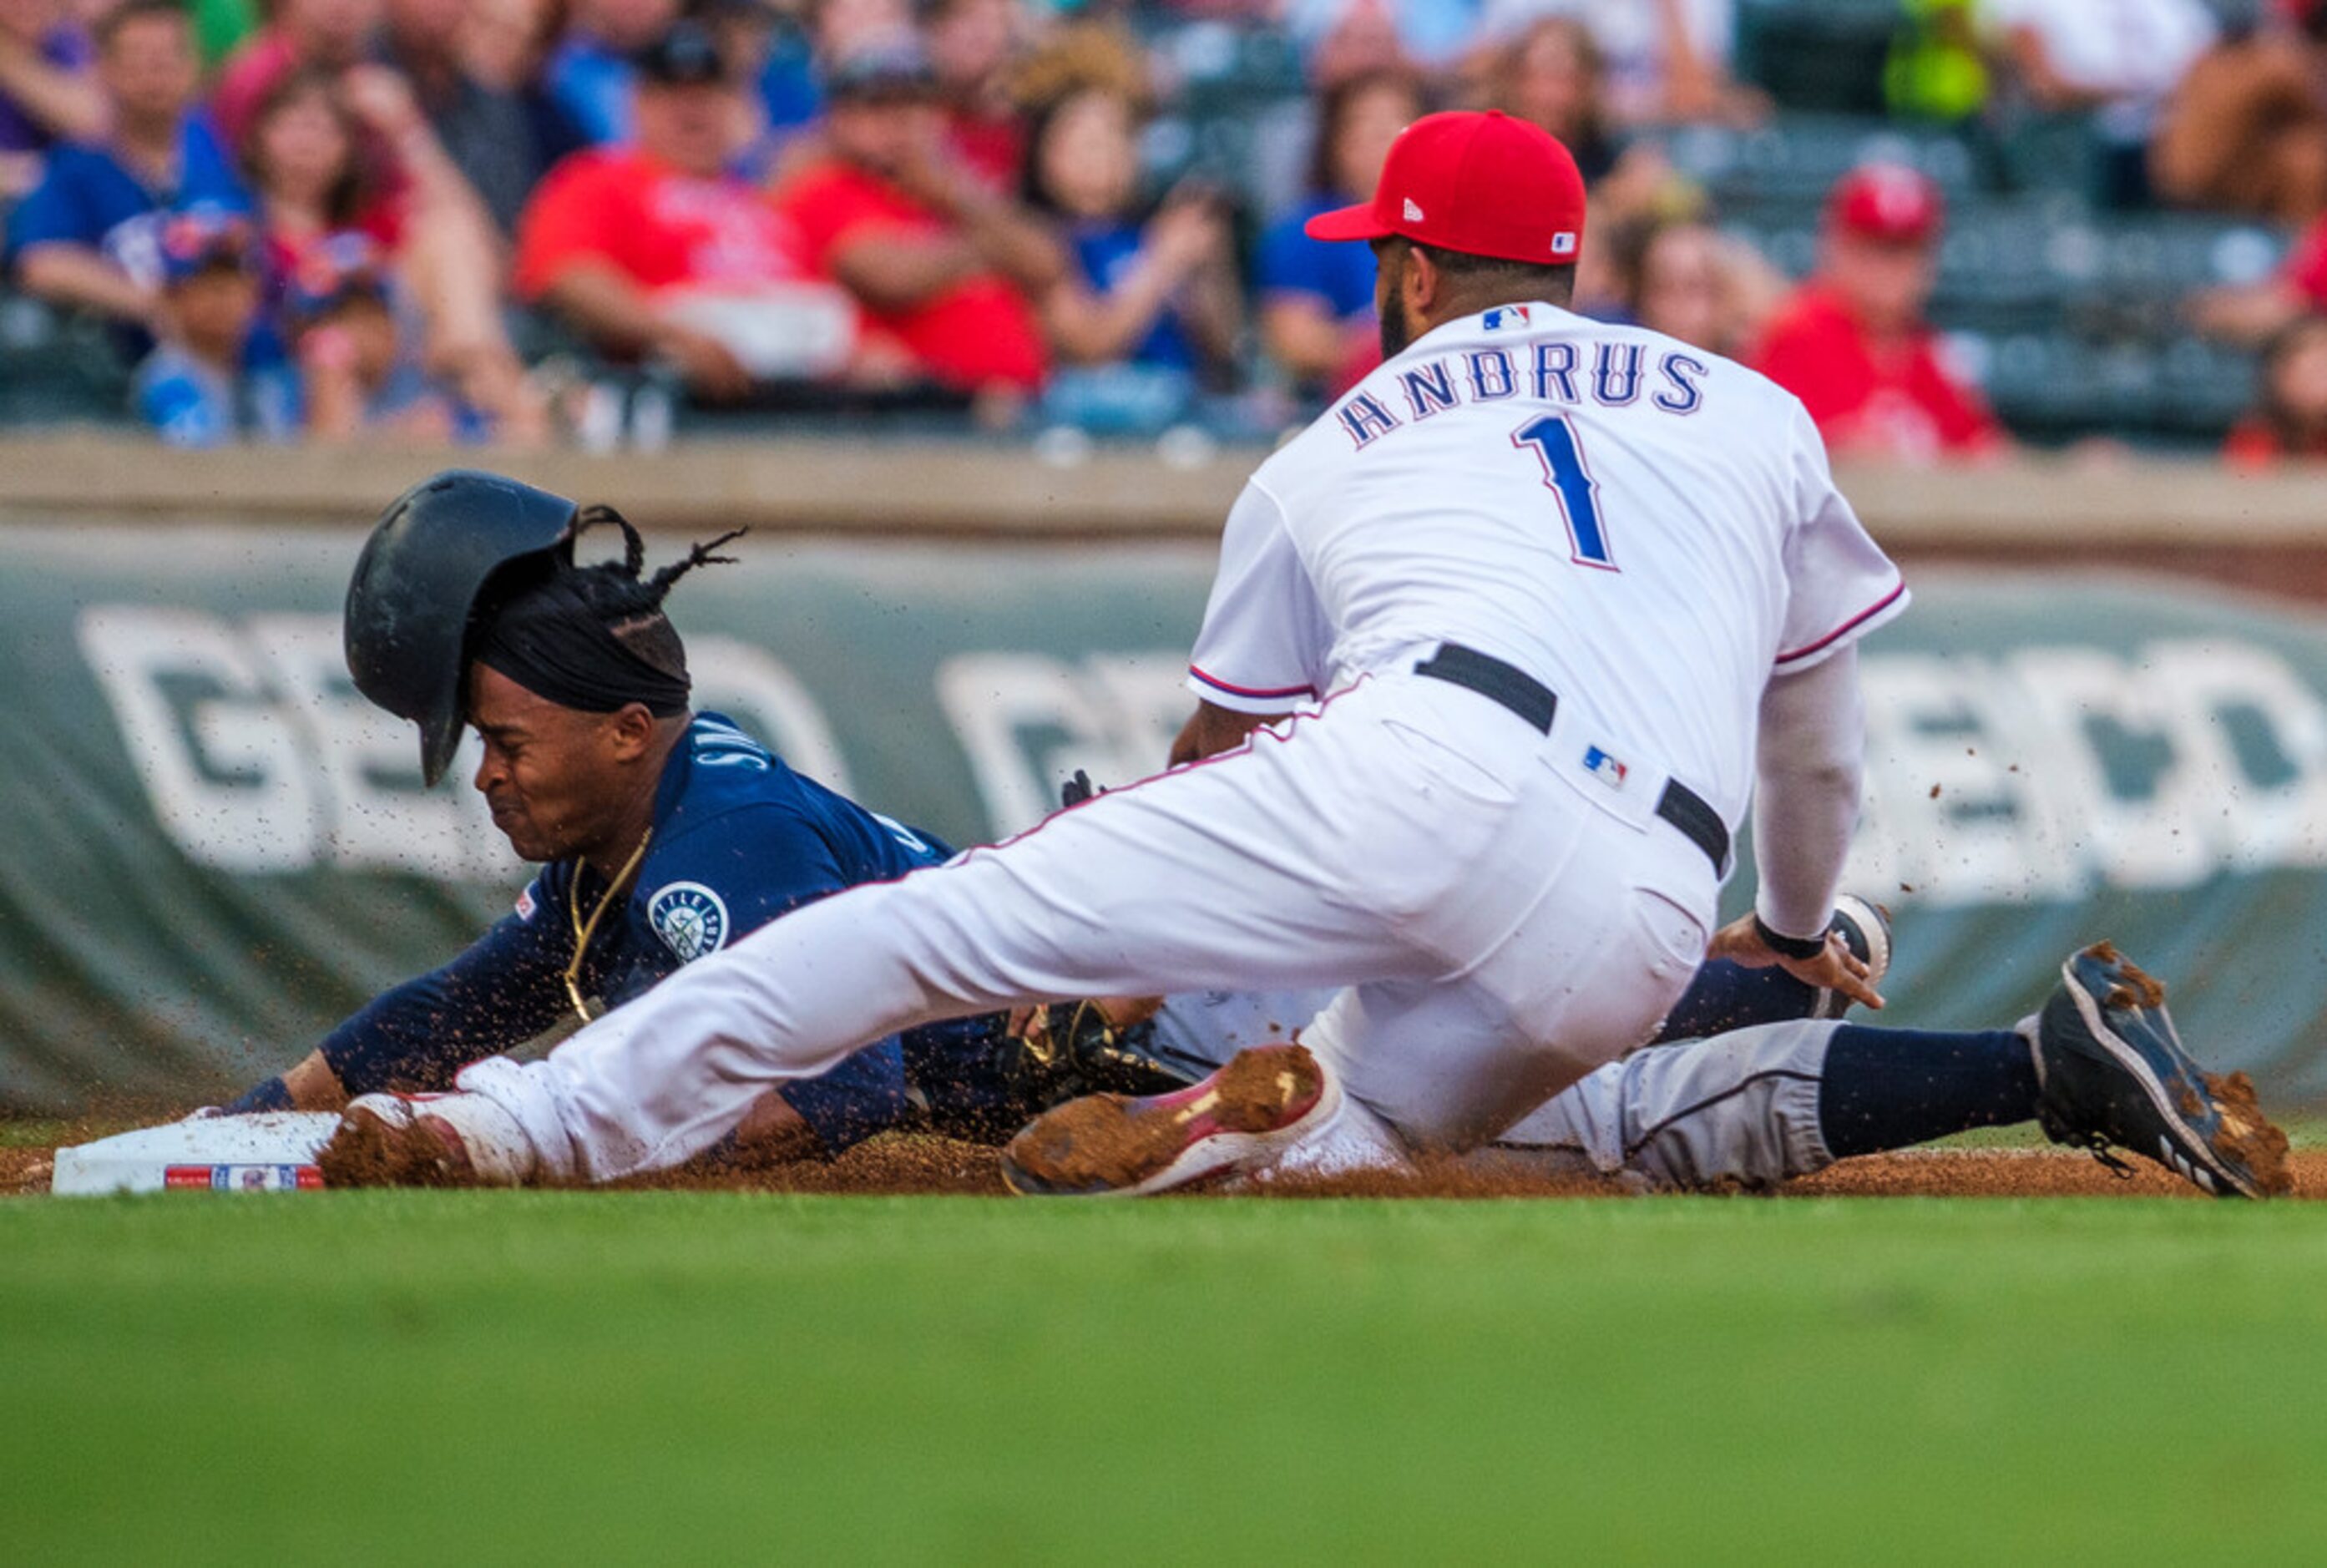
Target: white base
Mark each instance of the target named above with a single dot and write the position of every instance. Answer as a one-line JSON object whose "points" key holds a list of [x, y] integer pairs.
{"points": [[274, 1151]]}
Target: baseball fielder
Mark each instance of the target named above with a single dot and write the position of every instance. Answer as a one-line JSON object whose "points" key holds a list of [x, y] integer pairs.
{"points": [[1563, 591]]}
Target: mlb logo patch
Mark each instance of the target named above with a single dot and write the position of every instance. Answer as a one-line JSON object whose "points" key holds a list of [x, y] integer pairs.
{"points": [[1608, 769], [1563, 243], [1503, 316], [525, 904]]}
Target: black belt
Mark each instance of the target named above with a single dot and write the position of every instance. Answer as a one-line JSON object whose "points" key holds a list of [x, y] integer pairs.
{"points": [[1537, 703]]}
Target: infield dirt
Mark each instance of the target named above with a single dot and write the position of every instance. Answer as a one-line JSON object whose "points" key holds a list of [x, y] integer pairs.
{"points": [[907, 1165]]}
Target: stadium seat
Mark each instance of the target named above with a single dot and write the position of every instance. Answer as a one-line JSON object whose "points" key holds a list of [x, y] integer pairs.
{"points": [[1818, 54], [56, 370]]}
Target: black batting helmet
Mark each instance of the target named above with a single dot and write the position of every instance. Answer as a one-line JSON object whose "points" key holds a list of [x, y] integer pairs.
{"points": [[413, 602]]}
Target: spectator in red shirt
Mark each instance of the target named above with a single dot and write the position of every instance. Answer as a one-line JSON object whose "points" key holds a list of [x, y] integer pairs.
{"points": [[302, 153], [657, 249], [942, 264], [973, 44], [1852, 342], [2290, 419]]}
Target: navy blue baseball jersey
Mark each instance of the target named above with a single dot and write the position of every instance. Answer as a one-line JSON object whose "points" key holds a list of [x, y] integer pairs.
{"points": [[739, 839]]}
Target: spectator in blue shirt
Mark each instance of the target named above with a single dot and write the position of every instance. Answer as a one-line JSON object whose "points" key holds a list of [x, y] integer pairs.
{"points": [[590, 76], [46, 95], [1159, 293], [1317, 299], [202, 385], [87, 236]]}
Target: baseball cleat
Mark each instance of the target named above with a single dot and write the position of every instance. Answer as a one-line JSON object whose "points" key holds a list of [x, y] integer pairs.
{"points": [[1865, 927], [426, 1141], [2111, 1071], [1112, 1145]]}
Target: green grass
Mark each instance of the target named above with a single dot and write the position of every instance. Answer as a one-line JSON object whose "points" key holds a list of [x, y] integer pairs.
{"points": [[466, 1377]]}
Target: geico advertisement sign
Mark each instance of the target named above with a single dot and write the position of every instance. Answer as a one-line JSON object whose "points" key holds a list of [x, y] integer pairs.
{"points": [[2050, 773], [259, 755], [2042, 773]]}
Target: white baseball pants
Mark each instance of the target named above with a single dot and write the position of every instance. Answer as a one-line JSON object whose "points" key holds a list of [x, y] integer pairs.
{"points": [[1503, 921]]}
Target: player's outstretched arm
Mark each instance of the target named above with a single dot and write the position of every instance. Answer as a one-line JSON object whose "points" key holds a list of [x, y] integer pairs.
{"points": [[1810, 764]]}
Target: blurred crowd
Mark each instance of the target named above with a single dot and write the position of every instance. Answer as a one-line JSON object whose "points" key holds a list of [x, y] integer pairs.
{"points": [[446, 220]]}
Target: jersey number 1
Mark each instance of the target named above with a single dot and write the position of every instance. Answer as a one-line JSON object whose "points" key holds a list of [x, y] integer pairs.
{"points": [[1553, 439]]}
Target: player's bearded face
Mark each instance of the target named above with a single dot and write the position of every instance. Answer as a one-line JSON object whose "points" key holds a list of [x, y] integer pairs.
{"points": [[1391, 259], [547, 774]]}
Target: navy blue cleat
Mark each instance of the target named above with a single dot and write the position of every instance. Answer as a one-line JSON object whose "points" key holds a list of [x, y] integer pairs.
{"points": [[2112, 1071]]}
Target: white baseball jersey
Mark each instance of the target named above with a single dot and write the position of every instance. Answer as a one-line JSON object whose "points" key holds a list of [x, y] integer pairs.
{"points": [[1647, 528]]}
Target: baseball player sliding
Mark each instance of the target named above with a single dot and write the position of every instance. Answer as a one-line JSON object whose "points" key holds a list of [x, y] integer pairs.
{"points": [[1562, 592], [663, 834]]}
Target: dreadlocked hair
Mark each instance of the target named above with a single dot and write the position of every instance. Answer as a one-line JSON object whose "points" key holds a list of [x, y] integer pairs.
{"points": [[697, 556], [627, 602]]}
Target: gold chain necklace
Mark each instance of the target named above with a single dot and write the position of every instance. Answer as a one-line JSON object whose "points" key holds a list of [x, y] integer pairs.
{"points": [[584, 929]]}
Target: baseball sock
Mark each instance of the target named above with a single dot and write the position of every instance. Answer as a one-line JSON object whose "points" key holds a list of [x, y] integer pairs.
{"points": [[270, 1095], [1891, 1089], [1725, 997]]}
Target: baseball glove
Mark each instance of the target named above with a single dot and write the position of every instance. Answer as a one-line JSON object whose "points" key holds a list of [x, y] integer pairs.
{"points": [[1061, 1052]]}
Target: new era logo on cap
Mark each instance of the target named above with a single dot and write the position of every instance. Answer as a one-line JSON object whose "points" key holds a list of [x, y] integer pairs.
{"points": [[1498, 186]]}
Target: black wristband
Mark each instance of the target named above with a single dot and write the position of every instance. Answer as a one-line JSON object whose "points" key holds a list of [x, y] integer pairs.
{"points": [[1797, 947]]}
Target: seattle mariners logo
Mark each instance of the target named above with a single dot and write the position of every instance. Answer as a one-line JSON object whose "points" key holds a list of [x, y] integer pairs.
{"points": [[690, 919]]}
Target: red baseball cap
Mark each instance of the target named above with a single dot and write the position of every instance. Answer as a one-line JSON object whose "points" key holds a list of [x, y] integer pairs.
{"points": [[1484, 184], [1886, 202]]}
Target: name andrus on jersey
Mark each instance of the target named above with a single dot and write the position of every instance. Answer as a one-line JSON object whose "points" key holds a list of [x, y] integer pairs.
{"points": [[1618, 375]]}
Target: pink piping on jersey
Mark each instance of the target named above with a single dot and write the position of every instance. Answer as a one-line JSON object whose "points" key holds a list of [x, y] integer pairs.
{"points": [[1265, 731], [1257, 693], [1847, 626]]}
